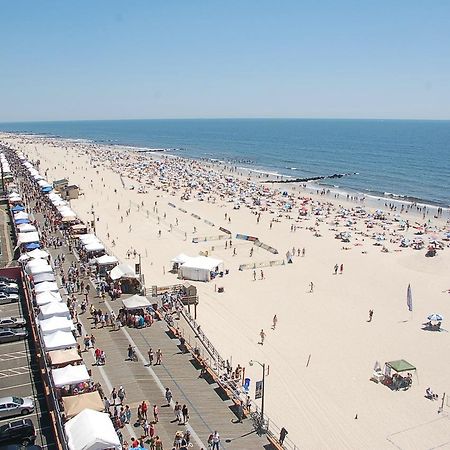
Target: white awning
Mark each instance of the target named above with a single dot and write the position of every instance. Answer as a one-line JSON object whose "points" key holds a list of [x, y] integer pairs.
{"points": [[122, 271], [94, 247], [106, 260], [48, 297], [54, 309], [56, 323], [58, 340], [27, 238], [136, 302], [69, 375], [46, 286], [91, 430]]}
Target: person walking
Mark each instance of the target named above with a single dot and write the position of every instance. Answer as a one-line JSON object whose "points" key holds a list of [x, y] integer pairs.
{"points": [[158, 357], [336, 268], [121, 394], [168, 396], [155, 413], [274, 322], [185, 413], [370, 315], [144, 408], [150, 356], [311, 287], [262, 335], [342, 269], [216, 439]]}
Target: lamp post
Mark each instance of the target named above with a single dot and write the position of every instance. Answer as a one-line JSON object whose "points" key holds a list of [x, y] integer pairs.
{"points": [[263, 366]]}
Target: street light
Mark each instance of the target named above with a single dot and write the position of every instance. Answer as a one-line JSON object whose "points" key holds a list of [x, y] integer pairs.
{"points": [[263, 365]]}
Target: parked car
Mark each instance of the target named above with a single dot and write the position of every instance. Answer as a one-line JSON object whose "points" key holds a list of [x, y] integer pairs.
{"points": [[15, 406], [9, 289], [8, 298], [5, 284], [12, 322], [7, 280], [9, 335], [20, 431]]}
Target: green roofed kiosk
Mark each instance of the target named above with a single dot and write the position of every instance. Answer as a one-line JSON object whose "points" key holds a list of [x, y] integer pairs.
{"points": [[396, 381]]}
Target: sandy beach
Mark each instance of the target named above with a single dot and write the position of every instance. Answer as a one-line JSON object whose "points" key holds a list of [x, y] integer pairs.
{"points": [[322, 352]]}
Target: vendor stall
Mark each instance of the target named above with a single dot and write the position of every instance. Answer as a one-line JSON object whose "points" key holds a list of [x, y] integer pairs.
{"points": [[75, 404], [70, 375], [200, 268]]}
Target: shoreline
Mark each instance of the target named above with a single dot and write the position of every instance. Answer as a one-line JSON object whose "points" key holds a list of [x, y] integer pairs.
{"points": [[273, 177]]}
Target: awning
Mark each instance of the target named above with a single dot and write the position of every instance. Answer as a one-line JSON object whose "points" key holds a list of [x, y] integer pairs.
{"points": [[106, 260], [91, 430], [122, 271], [41, 277], [64, 357], [400, 365], [94, 247], [70, 375], [46, 286], [56, 323], [27, 238], [136, 302], [48, 297], [76, 403], [54, 309], [58, 340]]}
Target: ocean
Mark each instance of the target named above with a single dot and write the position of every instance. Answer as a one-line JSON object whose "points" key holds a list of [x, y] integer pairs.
{"points": [[402, 159]]}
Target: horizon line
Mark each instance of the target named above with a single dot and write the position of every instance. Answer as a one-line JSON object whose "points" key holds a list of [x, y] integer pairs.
{"points": [[223, 118]]}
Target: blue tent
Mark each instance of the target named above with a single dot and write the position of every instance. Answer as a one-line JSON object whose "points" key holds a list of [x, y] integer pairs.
{"points": [[19, 221], [17, 208], [32, 246], [46, 189]]}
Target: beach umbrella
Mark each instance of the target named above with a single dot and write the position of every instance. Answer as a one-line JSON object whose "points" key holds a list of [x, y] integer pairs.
{"points": [[436, 317], [409, 298], [17, 208]]}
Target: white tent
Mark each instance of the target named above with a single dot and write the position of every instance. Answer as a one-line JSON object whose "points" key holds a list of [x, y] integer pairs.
{"points": [[43, 276], [122, 271], [106, 260], [36, 262], [46, 286], [56, 323], [180, 259], [48, 297], [91, 430], [20, 215], [136, 302], [70, 375], [59, 339], [26, 228], [54, 309], [36, 270], [27, 238], [38, 253], [94, 247], [87, 238], [199, 268]]}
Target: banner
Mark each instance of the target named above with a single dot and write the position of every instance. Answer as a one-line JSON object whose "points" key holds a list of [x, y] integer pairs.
{"points": [[258, 391]]}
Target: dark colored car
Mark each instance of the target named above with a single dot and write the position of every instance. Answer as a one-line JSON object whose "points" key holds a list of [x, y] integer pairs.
{"points": [[18, 432], [10, 335]]}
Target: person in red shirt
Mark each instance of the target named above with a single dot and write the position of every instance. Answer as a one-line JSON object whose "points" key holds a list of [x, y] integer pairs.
{"points": [[144, 410]]}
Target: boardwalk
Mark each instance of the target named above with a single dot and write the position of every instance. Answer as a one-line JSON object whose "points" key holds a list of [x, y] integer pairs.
{"points": [[208, 409]]}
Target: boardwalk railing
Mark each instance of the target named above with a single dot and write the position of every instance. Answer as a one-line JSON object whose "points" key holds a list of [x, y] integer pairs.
{"points": [[217, 364]]}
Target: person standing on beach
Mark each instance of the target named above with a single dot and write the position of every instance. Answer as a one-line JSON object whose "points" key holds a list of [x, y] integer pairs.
{"points": [[303, 251], [342, 269], [336, 268], [254, 275], [370, 315], [274, 322], [311, 287], [262, 275], [262, 335]]}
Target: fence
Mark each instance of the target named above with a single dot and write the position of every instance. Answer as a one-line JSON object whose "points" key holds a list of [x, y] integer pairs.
{"points": [[279, 262], [209, 354]]}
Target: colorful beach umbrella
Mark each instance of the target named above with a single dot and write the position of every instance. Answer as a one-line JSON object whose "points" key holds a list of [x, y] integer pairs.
{"points": [[435, 317]]}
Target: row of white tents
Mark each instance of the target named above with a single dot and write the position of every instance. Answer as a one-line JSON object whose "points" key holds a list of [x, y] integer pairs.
{"points": [[88, 429]]}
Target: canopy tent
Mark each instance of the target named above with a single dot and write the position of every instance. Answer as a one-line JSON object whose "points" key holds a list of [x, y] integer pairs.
{"points": [[35, 254], [180, 259], [106, 260], [20, 215], [87, 238], [400, 365], [91, 430], [94, 247], [76, 403], [26, 228], [136, 302], [45, 276], [122, 271], [17, 208], [36, 270], [27, 238], [37, 262], [46, 286], [32, 246], [54, 309], [64, 357], [23, 220], [58, 340], [69, 375], [199, 268], [56, 323], [48, 297]]}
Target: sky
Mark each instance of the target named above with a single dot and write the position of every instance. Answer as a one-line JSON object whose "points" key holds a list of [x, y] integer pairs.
{"points": [[110, 59]]}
